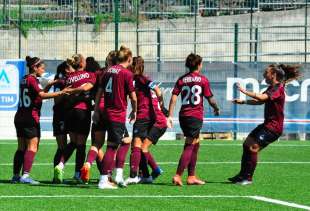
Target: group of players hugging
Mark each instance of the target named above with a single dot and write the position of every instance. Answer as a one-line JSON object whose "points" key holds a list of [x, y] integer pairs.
{"points": [[82, 86]]}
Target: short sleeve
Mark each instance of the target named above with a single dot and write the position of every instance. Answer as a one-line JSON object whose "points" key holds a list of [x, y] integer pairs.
{"points": [[177, 87], [206, 89], [129, 82], [92, 78], [35, 85]]}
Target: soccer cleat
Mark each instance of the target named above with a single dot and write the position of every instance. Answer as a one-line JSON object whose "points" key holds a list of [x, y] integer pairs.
{"points": [[134, 180], [177, 180], [58, 175], [106, 185], [146, 180], [235, 179], [155, 173], [85, 173], [28, 180], [120, 182], [193, 180], [245, 182], [15, 179]]}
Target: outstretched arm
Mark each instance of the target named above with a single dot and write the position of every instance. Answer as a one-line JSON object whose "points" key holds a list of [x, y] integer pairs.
{"points": [[259, 97]]}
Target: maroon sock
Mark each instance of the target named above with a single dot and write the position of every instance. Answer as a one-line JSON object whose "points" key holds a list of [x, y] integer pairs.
{"points": [[135, 158], [68, 152], [192, 163], [244, 160], [185, 158], [99, 165], [121, 155], [18, 161], [150, 160], [28, 161], [92, 155], [109, 160], [252, 164], [143, 166], [80, 157], [57, 156]]}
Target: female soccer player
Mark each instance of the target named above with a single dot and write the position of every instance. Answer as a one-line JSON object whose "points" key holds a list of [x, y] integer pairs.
{"points": [[98, 128], [78, 117], [116, 85], [276, 77], [59, 129], [193, 86], [150, 124], [27, 119]]}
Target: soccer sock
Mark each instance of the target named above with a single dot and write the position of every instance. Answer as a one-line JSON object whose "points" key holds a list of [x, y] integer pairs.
{"points": [[252, 164], [68, 152], [28, 161], [121, 155], [192, 163], [150, 160], [143, 166], [92, 155], [80, 157], [135, 158], [185, 158], [99, 165], [18, 161], [109, 160], [244, 160], [57, 156]]}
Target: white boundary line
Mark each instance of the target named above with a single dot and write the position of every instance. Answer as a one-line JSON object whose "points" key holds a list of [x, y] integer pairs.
{"points": [[280, 202], [258, 198], [175, 163]]}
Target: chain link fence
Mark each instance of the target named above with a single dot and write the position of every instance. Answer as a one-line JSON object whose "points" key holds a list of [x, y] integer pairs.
{"points": [[160, 31]]}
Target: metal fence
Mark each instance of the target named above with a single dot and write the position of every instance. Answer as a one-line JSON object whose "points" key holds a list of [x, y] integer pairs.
{"points": [[161, 31]]}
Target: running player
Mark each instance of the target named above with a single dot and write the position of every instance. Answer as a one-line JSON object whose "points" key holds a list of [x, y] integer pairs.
{"points": [[99, 128], [59, 130], [78, 117], [117, 84], [276, 77], [192, 86], [27, 119], [151, 123]]}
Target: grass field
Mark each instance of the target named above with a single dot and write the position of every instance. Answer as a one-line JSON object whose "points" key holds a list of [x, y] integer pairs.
{"points": [[281, 182]]}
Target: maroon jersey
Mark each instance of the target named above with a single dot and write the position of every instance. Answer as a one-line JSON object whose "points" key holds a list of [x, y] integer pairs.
{"points": [[59, 106], [99, 75], [148, 105], [77, 79], [193, 87], [30, 102], [117, 83], [274, 108]]}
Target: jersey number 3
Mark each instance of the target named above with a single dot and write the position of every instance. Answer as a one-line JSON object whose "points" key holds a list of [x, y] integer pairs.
{"points": [[191, 95]]}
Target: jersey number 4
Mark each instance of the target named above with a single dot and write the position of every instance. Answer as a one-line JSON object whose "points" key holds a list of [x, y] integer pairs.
{"points": [[108, 87], [191, 95], [24, 100]]}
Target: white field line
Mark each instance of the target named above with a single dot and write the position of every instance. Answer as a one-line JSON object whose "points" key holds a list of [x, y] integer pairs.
{"points": [[161, 145], [259, 198], [280, 202], [176, 163]]}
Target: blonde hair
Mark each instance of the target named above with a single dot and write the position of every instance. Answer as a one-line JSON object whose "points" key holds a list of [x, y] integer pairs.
{"points": [[75, 61], [123, 54]]}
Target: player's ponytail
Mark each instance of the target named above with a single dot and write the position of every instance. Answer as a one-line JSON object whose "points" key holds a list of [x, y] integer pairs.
{"points": [[111, 59], [285, 73], [75, 61], [33, 62], [123, 54], [193, 61], [138, 65]]}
